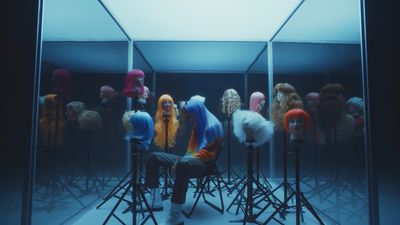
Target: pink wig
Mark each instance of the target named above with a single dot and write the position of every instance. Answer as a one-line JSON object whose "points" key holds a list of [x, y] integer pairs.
{"points": [[130, 85], [107, 91], [255, 100], [312, 97], [61, 80]]}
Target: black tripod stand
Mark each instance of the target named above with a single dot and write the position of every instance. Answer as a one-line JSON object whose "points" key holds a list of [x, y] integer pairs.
{"points": [[247, 202], [168, 181], [300, 198], [230, 171], [137, 192], [54, 186]]}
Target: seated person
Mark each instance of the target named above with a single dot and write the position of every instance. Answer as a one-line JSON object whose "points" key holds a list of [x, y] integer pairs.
{"points": [[205, 139]]}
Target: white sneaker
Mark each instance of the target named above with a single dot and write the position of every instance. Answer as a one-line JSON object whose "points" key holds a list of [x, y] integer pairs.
{"points": [[175, 216]]}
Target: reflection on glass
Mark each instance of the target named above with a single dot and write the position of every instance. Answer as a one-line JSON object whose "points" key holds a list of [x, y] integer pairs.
{"points": [[324, 69]]}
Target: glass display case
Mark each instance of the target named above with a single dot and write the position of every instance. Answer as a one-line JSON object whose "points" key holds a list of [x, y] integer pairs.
{"points": [[295, 54]]}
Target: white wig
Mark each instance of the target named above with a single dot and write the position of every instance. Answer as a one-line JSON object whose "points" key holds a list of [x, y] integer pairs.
{"points": [[252, 126], [126, 121]]}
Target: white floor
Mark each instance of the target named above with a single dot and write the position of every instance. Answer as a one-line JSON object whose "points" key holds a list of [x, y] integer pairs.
{"points": [[203, 214]]}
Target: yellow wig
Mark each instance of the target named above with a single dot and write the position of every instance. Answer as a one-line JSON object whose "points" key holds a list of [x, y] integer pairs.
{"points": [[47, 124], [159, 126]]}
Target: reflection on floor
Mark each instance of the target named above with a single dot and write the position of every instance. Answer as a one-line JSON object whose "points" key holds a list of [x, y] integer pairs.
{"points": [[349, 211]]}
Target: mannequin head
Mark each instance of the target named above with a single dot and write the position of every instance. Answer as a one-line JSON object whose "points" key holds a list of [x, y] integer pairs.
{"points": [[165, 110], [295, 122], [257, 102], [134, 83], [331, 107], [312, 101], [285, 99], [106, 93], [356, 106], [61, 81], [281, 91], [74, 109], [230, 101]]}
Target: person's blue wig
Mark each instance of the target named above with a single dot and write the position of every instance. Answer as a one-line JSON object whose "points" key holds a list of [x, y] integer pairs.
{"points": [[208, 127], [143, 128]]}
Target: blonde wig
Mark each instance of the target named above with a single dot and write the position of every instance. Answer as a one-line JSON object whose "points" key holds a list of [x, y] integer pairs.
{"points": [[251, 125], [230, 102], [160, 126], [74, 109], [291, 100], [126, 121], [52, 116], [90, 121]]}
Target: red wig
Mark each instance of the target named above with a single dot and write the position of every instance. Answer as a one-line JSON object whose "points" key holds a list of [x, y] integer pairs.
{"points": [[131, 89], [296, 113], [61, 80]]}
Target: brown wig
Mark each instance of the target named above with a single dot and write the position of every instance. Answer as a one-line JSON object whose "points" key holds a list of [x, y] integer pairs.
{"points": [[331, 107], [290, 101]]}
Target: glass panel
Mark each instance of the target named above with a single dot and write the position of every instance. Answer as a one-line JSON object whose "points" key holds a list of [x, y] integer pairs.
{"points": [[324, 72], [80, 151]]}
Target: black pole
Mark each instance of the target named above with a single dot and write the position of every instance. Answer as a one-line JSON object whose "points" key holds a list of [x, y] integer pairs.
{"points": [[258, 164], [134, 183], [250, 182], [285, 182], [229, 149], [296, 150]]}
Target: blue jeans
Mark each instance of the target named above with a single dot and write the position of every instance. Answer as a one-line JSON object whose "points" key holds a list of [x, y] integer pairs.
{"points": [[186, 168]]}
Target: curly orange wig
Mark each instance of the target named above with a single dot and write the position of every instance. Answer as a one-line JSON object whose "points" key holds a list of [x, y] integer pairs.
{"points": [[291, 101], [47, 123], [159, 126], [295, 113]]}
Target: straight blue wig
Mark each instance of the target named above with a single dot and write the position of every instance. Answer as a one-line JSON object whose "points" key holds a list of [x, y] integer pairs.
{"points": [[208, 128], [143, 128]]}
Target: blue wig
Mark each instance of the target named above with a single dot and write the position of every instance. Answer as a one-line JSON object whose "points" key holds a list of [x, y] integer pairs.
{"points": [[208, 128], [143, 128]]}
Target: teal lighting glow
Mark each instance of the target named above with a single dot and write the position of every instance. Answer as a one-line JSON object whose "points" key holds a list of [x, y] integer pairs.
{"points": [[201, 20], [324, 21]]}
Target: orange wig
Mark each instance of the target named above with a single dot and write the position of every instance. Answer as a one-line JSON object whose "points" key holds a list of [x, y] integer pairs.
{"points": [[159, 126], [296, 113], [47, 124]]}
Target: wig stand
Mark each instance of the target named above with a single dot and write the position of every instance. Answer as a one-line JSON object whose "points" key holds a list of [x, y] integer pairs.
{"points": [[89, 174], [106, 148], [313, 181], [231, 173], [301, 200], [54, 186], [287, 187], [136, 188], [168, 181], [334, 184], [246, 199]]}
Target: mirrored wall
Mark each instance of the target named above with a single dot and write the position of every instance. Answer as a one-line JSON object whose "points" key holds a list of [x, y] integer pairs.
{"points": [[316, 65], [80, 147]]}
